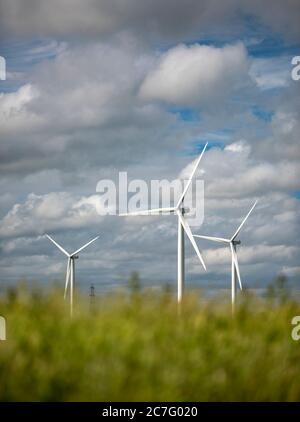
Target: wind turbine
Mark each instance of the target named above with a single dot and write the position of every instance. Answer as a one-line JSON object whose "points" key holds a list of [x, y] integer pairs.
{"points": [[183, 226], [70, 276], [233, 242]]}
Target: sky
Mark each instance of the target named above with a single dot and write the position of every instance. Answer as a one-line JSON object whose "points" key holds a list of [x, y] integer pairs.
{"points": [[95, 88]]}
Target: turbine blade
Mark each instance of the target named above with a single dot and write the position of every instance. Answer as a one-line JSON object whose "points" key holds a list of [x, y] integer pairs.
{"points": [[57, 245], [215, 239], [190, 236], [236, 264], [84, 246], [154, 211], [191, 177], [67, 277], [243, 222], [238, 272]]}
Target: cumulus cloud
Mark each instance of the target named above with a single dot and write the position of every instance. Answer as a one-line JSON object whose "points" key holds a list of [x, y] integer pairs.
{"points": [[196, 75], [239, 175], [79, 101], [14, 114], [49, 212]]}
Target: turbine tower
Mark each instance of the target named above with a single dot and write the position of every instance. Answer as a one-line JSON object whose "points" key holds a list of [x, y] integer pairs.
{"points": [[183, 227], [70, 275], [233, 242]]}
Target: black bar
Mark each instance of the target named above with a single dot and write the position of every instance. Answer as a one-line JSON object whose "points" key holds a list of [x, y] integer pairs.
{"points": [[134, 411]]}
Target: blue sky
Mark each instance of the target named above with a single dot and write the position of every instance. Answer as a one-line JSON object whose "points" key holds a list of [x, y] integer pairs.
{"points": [[99, 91]]}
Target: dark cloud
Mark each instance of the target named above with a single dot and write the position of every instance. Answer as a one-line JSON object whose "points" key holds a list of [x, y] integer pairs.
{"points": [[167, 20]]}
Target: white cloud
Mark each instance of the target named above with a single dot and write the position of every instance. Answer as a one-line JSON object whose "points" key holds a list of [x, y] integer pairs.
{"points": [[49, 212], [271, 73], [235, 173], [197, 74], [14, 114], [83, 99], [241, 146]]}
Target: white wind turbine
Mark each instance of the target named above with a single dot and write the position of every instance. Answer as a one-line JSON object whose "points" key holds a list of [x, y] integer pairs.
{"points": [[233, 242], [183, 226], [70, 276]]}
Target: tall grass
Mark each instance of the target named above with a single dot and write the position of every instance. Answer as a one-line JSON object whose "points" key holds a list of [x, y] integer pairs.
{"points": [[131, 348]]}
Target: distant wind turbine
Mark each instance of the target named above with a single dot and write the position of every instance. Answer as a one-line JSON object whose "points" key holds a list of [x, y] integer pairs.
{"points": [[183, 226], [70, 276], [233, 242]]}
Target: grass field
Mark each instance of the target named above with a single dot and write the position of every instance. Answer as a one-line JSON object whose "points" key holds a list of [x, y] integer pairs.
{"points": [[136, 347]]}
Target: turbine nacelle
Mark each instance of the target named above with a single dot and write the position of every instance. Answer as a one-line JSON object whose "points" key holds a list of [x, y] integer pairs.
{"points": [[184, 210]]}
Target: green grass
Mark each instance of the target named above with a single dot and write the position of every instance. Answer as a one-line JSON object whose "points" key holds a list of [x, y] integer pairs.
{"points": [[139, 348]]}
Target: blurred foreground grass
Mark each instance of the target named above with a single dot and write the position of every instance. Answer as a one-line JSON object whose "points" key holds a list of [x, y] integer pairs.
{"points": [[136, 347]]}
